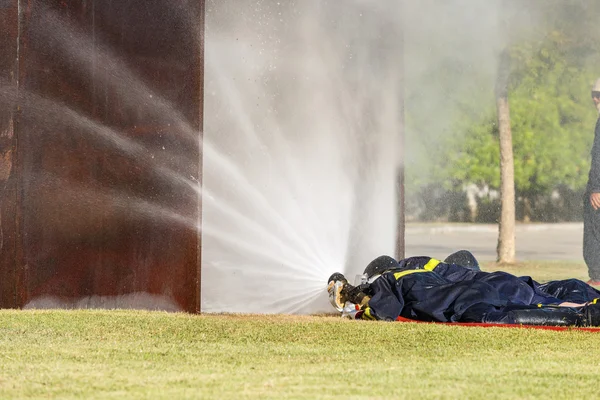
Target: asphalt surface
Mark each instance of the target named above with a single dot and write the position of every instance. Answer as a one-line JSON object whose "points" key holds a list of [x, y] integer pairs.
{"points": [[533, 241]]}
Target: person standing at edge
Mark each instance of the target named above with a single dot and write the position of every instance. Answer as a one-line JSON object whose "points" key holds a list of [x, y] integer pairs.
{"points": [[591, 203]]}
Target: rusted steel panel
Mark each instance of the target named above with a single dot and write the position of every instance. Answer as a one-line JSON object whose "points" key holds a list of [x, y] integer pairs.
{"points": [[109, 132], [9, 24]]}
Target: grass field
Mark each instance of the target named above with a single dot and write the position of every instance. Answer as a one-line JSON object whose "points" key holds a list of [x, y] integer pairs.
{"points": [[135, 354], [543, 270]]}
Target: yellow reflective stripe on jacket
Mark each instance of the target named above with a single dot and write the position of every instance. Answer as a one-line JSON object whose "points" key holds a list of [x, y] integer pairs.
{"points": [[431, 264], [367, 314], [401, 274]]}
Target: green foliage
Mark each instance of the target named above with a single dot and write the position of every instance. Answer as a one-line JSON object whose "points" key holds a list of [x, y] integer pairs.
{"points": [[552, 121], [475, 157], [552, 118]]}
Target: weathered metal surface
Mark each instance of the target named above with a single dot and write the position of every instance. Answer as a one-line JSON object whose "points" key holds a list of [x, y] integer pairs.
{"points": [[8, 229], [109, 147]]}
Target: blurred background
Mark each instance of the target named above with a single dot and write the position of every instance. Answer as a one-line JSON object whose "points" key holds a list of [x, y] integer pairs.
{"points": [[320, 102]]}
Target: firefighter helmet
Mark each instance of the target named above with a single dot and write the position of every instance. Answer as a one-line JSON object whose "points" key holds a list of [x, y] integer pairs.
{"points": [[380, 265], [464, 258]]}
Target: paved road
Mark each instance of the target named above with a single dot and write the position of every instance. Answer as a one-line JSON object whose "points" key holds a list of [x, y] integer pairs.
{"points": [[534, 241]]}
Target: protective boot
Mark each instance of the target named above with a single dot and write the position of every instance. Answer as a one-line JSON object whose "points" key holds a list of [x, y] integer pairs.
{"points": [[591, 313], [555, 316]]}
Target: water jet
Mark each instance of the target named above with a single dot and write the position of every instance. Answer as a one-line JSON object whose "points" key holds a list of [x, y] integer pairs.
{"points": [[118, 181]]}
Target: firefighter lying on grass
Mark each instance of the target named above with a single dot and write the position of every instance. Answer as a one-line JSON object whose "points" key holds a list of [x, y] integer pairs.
{"points": [[426, 289]]}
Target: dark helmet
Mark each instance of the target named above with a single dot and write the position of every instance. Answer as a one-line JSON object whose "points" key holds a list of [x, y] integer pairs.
{"points": [[464, 258], [337, 276], [379, 265]]}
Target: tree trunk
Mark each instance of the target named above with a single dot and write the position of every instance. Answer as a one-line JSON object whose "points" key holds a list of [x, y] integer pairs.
{"points": [[506, 234]]}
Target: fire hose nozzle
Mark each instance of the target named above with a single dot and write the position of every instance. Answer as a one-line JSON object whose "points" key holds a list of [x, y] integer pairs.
{"points": [[335, 287]]}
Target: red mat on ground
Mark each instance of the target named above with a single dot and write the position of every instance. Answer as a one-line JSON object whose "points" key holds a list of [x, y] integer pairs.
{"points": [[482, 325]]}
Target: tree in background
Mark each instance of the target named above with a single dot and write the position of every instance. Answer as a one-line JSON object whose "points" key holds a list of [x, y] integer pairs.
{"points": [[506, 231], [551, 120]]}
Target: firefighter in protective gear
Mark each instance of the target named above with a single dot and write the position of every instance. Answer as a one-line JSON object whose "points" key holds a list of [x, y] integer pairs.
{"points": [[591, 203], [426, 289]]}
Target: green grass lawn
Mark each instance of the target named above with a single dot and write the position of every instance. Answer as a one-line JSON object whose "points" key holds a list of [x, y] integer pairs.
{"points": [[134, 354], [543, 270]]}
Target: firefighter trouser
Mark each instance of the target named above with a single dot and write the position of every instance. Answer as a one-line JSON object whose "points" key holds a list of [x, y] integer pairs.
{"points": [[591, 238]]}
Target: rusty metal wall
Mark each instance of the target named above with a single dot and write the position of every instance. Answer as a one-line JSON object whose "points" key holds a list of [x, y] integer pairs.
{"points": [[107, 139], [8, 228]]}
